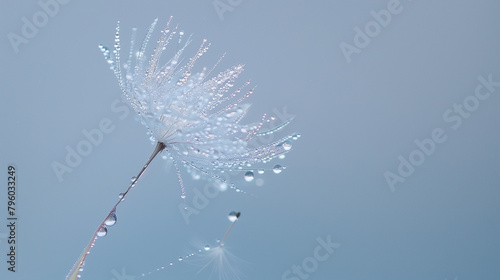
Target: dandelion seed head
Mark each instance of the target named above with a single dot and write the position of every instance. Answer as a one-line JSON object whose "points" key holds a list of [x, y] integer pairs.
{"points": [[197, 115]]}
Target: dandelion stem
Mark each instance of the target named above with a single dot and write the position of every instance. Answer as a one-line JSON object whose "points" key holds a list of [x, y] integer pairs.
{"points": [[225, 235], [78, 266]]}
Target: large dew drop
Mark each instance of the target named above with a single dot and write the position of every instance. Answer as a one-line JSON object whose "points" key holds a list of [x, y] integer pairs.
{"points": [[233, 216], [249, 176], [110, 220], [102, 231], [277, 169]]}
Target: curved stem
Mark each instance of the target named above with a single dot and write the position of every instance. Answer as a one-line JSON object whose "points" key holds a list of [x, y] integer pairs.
{"points": [[74, 274]]}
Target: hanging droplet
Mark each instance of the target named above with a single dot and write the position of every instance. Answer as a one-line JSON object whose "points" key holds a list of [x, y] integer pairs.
{"points": [[233, 216], [121, 196], [287, 145], [133, 180], [259, 182], [180, 258], [277, 169], [102, 231], [110, 220], [260, 171], [249, 176], [207, 247]]}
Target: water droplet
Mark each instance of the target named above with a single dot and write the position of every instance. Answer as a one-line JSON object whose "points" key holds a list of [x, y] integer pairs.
{"points": [[180, 258], [183, 196], [260, 171], [277, 169], [110, 220], [207, 247], [133, 180], [171, 263], [296, 136], [287, 145], [282, 156], [249, 176], [102, 231], [233, 216], [121, 196]]}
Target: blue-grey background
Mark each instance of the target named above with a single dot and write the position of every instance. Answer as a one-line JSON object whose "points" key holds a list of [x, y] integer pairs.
{"points": [[355, 118]]}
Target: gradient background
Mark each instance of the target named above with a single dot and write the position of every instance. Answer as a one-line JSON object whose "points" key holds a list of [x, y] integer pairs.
{"points": [[355, 118]]}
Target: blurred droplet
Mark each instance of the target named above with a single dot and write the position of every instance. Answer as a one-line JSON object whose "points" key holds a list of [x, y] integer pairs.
{"points": [[207, 247]]}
